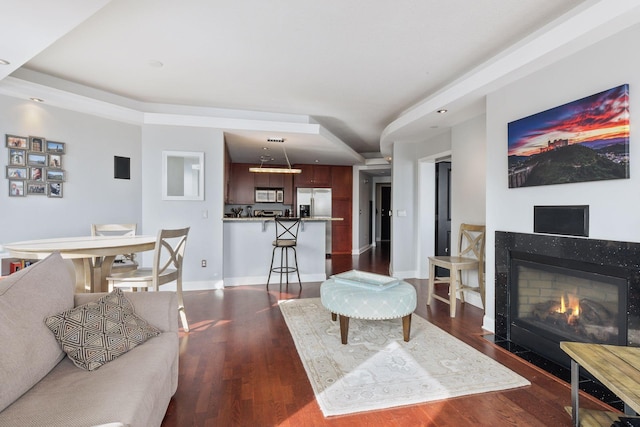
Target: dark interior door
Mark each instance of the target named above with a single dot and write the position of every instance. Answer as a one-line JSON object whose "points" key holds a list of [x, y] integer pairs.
{"points": [[370, 222], [385, 213], [443, 212]]}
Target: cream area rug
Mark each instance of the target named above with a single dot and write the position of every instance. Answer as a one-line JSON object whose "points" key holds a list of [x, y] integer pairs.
{"points": [[378, 370]]}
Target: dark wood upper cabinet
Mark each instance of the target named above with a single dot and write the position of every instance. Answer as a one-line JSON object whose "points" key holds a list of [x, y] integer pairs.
{"points": [[241, 184], [227, 173], [313, 176], [341, 181], [276, 180], [269, 180], [322, 176], [261, 180], [287, 184]]}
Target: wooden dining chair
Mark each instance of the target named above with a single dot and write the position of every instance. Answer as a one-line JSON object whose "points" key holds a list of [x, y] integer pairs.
{"points": [[167, 267], [471, 243], [125, 262]]}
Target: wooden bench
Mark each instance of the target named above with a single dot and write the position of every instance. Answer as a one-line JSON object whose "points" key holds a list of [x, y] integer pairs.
{"points": [[616, 367]]}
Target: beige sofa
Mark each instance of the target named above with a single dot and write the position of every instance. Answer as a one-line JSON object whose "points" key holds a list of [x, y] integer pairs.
{"points": [[39, 384]]}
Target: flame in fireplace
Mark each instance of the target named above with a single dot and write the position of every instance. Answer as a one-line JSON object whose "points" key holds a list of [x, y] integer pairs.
{"points": [[570, 306]]}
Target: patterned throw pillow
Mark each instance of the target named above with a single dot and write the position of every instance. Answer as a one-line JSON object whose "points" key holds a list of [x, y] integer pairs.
{"points": [[100, 331]]}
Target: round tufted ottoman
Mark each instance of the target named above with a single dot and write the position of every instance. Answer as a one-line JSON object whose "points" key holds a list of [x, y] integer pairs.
{"points": [[349, 301]]}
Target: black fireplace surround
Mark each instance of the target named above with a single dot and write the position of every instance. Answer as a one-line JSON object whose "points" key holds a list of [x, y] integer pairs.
{"points": [[616, 262]]}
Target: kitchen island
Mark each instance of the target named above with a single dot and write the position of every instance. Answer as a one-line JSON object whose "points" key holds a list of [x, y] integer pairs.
{"points": [[248, 248]]}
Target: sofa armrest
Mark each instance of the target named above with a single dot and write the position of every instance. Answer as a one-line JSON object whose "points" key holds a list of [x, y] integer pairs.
{"points": [[158, 308]]}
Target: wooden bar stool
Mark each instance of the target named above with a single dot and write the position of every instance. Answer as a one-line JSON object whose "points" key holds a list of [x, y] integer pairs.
{"points": [[286, 239]]}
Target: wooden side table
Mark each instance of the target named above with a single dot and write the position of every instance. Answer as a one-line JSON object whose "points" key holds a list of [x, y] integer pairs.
{"points": [[616, 367]]}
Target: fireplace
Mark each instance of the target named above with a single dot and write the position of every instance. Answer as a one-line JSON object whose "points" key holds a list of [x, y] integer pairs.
{"points": [[551, 289], [553, 300]]}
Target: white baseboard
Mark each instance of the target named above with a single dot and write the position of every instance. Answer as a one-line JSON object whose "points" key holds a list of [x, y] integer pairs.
{"points": [[473, 298], [404, 274], [275, 279], [489, 324], [362, 250], [195, 285]]}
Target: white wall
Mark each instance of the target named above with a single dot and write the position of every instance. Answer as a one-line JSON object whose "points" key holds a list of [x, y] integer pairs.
{"points": [[90, 193], [468, 188], [205, 236], [426, 200], [416, 185], [614, 204], [468, 173], [407, 215]]}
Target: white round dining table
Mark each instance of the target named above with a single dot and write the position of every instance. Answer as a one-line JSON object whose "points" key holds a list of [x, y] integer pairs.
{"points": [[92, 256]]}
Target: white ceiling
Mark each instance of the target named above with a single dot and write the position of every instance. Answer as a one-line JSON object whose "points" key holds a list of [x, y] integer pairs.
{"points": [[332, 77]]}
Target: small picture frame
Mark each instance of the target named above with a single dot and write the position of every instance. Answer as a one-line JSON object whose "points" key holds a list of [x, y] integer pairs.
{"points": [[36, 174], [54, 175], [16, 172], [55, 189], [55, 147], [55, 161], [14, 141], [36, 159], [17, 157], [37, 144], [36, 188], [16, 188]]}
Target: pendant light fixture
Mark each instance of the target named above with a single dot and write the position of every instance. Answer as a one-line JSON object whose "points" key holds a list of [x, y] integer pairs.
{"points": [[263, 169]]}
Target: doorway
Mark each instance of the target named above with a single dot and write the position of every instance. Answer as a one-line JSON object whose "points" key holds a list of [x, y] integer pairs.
{"points": [[385, 213], [443, 212]]}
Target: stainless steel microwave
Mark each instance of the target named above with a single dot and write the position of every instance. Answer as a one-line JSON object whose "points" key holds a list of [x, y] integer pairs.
{"points": [[269, 195]]}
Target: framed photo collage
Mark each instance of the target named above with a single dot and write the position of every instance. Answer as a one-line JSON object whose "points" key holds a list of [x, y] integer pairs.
{"points": [[35, 166]]}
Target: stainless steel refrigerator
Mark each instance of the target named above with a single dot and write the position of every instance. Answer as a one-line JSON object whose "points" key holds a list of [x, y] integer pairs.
{"points": [[319, 199]]}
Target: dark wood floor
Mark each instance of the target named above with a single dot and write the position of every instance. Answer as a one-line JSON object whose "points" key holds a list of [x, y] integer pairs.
{"points": [[239, 366]]}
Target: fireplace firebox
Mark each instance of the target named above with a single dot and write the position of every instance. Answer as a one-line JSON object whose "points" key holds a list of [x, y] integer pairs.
{"points": [[552, 288], [555, 300]]}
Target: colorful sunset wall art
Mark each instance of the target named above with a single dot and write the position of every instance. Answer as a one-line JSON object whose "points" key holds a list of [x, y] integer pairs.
{"points": [[584, 140]]}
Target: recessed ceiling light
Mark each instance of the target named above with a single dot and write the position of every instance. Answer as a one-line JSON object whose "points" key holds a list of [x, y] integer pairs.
{"points": [[4, 62], [37, 99], [265, 148], [155, 64], [442, 111]]}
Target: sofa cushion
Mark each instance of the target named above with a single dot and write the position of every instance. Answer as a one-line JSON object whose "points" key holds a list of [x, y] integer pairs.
{"points": [[28, 351], [133, 390], [96, 333]]}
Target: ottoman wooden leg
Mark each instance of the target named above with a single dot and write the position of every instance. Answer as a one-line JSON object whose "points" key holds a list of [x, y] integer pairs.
{"points": [[333, 317], [406, 327], [344, 328]]}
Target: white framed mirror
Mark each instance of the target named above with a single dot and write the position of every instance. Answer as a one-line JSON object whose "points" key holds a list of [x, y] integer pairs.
{"points": [[182, 175]]}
